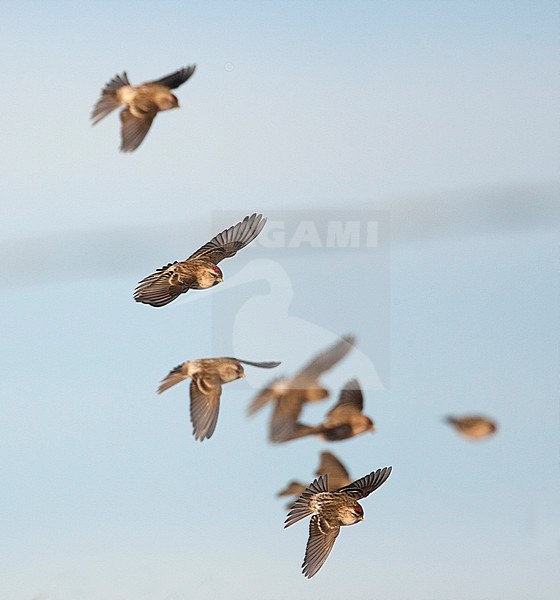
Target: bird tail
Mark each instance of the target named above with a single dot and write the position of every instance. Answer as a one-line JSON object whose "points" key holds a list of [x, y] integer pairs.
{"points": [[108, 100], [301, 508], [178, 374]]}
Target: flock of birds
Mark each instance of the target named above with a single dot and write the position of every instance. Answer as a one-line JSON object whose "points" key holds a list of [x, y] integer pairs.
{"points": [[332, 498]]}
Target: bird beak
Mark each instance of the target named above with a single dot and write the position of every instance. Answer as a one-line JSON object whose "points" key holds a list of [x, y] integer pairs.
{"points": [[372, 427], [241, 374]]}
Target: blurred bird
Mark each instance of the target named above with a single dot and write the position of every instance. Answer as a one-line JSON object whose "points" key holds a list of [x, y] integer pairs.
{"points": [[473, 427], [332, 510], [200, 270], [291, 394], [142, 102], [343, 421], [207, 376], [329, 465], [305, 382]]}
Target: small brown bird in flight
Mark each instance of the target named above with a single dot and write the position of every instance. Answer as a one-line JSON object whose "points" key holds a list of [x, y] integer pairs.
{"points": [[473, 427], [345, 419], [207, 376], [290, 394], [329, 465], [142, 102], [332, 510], [200, 270]]}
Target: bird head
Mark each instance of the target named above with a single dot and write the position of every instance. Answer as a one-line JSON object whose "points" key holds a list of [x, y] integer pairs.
{"points": [[217, 274], [231, 370], [358, 512], [208, 276], [168, 101], [351, 514]]}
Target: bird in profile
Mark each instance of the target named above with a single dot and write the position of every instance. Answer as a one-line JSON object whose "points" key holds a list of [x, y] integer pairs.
{"points": [[290, 394], [473, 427], [207, 376], [142, 103], [345, 419], [330, 511], [329, 465], [200, 271]]}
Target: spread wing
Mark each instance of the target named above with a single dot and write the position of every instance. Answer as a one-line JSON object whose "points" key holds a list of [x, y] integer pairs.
{"points": [[174, 80], [301, 508], [283, 422], [366, 485], [350, 400], [227, 243], [134, 129], [330, 465], [273, 390], [163, 286], [324, 361], [175, 376], [109, 99], [319, 545], [263, 365], [205, 405]]}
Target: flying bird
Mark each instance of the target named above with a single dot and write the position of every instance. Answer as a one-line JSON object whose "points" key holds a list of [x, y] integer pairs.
{"points": [[290, 394], [200, 271], [142, 103], [207, 376], [473, 427], [329, 465], [330, 511], [345, 419]]}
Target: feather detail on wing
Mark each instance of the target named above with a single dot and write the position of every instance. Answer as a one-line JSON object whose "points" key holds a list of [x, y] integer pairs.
{"points": [[301, 507], [263, 364], [175, 376], [227, 243], [319, 545], [366, 485], [174, 80], [157, 290], [108, 100], [205, 406], [134, 129]]}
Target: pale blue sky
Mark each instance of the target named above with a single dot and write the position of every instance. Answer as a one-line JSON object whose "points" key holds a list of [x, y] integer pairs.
{"points": [[442, 115]]}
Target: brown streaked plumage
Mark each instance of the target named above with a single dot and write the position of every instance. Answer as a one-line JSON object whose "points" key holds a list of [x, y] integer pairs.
{"points": [[207, 376], [473, 427], [200, 270], [142, 103], [345, 419], [329, 465], [331, 511], [290, 394]]}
